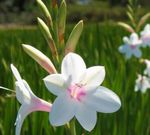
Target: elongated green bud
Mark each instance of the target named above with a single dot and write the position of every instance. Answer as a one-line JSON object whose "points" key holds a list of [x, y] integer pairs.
{"points": [[74, 37], [45, 11], [143, 20], [62, 21], [40, 58], [45, 30], [126, 26]]}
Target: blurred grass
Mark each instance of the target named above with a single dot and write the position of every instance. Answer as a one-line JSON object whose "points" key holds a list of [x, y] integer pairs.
{"points": [[98, 46]]}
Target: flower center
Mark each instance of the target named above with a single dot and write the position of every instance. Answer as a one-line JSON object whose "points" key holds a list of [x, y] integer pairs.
{"points": [[133, 46], [146, 38], [76, 91]]}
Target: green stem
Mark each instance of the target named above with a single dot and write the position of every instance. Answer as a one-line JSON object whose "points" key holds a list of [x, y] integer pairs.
{"points": [[73, 127]]}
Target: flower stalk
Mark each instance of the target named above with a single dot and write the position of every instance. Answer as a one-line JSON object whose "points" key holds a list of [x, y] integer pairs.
{"points": [[73, 127]]}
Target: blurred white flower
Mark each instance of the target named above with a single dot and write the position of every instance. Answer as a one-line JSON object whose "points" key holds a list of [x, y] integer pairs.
{"points": [[29, 102], [79, 93], [145, 36], [142, 83], [131, 46], [147, 70]]}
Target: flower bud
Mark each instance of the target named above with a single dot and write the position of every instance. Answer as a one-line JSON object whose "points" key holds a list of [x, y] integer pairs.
{"points": [[40, 58], [74, 37]]}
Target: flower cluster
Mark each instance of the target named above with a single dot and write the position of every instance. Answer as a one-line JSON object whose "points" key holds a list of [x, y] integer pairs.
{"points": [[133, 44], [132, 47], [143, 81], [78, 92]]}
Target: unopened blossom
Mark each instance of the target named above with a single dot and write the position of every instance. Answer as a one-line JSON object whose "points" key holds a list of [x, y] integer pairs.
{"points": [[142, 83], [145, 36], [147, 70], [131, 46], [79, 93], [29, 102]]}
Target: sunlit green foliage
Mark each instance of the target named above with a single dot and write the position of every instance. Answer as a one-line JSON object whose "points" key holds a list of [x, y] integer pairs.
{"points": [[98, 45]]}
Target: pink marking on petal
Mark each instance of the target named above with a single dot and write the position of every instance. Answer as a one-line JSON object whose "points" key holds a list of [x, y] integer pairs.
{"points": [[133, 46], [76, 91], [42, 105], [146, 38]]}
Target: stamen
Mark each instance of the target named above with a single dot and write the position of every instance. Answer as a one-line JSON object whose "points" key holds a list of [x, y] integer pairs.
{"points": [[76, 91]]}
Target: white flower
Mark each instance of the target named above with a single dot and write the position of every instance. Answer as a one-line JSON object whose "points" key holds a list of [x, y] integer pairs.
{"points": [[29, 101], [147, 70], [131, 46], [145, 35], [79, 94], [142, 83]]}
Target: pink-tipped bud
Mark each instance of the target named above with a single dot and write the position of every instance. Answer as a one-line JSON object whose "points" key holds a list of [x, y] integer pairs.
{"points": [[40, 58]]}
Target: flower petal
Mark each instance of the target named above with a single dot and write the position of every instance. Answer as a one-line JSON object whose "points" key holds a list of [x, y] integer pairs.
{"points": [[93, 77], [123, 48], [73, 67], [103, 100], [137, 53], [62, 111], [55, 83], [22, 94], [86, 117], [22, 114], [15, 72]]}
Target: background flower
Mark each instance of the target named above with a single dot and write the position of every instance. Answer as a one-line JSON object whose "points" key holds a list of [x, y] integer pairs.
{"points": [[131, 46], [145, 36]]}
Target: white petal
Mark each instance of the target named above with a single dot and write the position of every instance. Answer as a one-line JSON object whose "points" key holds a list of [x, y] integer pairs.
{"points": [[137, 52], [55, 83], [103, 100], [86, 117], [73, 67], [134, 38], [22, 114], [62, 111], [93, 76], [123, 48], [15, 72], [28, 88], [128, 54], [22, 94], [147, 27], [126, 40]]}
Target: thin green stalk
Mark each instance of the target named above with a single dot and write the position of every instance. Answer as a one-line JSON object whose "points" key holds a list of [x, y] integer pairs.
{"points": [[73, 127]]}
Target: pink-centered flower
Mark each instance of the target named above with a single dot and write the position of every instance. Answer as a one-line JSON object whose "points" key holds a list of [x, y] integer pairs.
{"points": [[79, 93], [131, 46], [142, 83], [145, 36], [29, 102]]}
